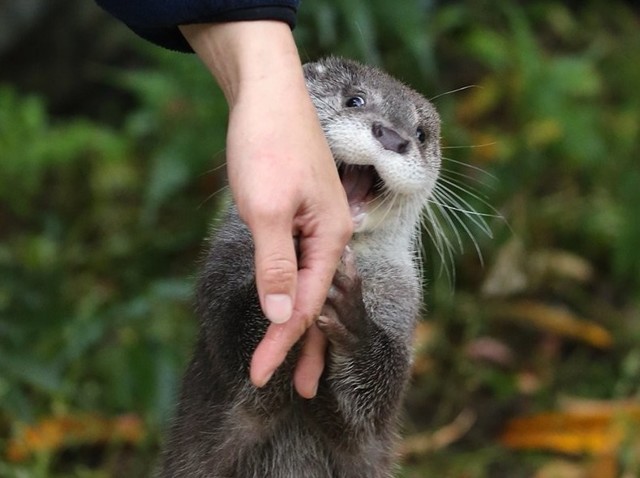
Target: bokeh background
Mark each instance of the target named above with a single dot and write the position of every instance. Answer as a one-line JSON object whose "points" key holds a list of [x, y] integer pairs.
{"points": [[528, 359]]}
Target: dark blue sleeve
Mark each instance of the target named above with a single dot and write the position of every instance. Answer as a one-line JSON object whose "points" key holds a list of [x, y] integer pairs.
{"points": [[158, 20]]}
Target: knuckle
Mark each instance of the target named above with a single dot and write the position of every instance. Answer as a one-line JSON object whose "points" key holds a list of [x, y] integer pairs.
{"points": [[278, 271], [264, 212]]}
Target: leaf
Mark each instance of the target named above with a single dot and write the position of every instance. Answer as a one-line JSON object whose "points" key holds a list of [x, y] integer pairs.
{"points": [[488, 47], [168, 175], [561, 469], [52, 434], [547, 264], [479, 101], [516, 269], [542, 132], [488, 147], [603, 467], [556, 320], [41, 376], [575, 76], [508, 274], [422, 443], [600, 430], [425, 337], [490, 350]]}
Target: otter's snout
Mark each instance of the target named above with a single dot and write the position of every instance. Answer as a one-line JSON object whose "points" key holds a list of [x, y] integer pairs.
{"points": [[389, 139]]}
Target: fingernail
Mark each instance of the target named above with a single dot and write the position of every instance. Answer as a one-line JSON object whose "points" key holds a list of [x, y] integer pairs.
{"points": [[278, 308]]}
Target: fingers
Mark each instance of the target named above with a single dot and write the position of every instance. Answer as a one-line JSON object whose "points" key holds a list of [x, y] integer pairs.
{"points": [[314, 279], [273, 349], [276, 270], [279, 338], [310, 363], [320, 251]]}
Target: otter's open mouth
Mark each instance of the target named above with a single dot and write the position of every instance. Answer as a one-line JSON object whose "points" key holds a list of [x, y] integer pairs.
{"points": [[362, 185]]}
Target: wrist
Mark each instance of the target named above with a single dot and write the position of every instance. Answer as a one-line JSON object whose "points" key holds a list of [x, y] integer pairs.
{"points": [[245, 56]]}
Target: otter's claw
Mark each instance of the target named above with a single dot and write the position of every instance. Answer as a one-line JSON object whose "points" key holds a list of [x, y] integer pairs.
{"points": [[343, 317]]}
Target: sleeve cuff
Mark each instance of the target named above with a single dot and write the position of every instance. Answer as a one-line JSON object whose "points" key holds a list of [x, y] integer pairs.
{"points": [[172, 38]]}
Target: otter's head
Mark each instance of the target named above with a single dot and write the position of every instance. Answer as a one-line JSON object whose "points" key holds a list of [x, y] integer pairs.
{"points": [[384, 136]]}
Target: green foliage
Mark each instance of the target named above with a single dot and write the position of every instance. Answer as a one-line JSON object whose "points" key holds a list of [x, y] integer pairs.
{"points": [[551, 90], [100, 234], [565, 125], [72, 261]]}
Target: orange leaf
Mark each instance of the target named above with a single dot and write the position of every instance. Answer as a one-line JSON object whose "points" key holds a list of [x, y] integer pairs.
{"points": [[54, 433], [599, 432]]}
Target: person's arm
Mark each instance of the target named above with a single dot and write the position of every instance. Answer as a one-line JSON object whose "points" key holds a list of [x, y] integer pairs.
{"points": [[284, 182], [280, 168]]}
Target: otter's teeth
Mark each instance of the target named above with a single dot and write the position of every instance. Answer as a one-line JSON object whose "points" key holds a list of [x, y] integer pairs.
{"points": [[357, 215]]}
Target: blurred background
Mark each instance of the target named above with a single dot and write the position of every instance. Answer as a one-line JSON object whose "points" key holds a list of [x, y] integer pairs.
{"points": [[528, 358]]}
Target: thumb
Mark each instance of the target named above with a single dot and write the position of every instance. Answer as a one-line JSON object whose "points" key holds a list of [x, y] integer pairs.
{"points": [[276, 271]]}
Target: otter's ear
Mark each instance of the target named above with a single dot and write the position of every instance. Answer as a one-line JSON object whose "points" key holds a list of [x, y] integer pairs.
{"points": [[313, 70]]}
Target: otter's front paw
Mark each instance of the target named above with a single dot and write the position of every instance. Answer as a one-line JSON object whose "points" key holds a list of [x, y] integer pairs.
{"points": [[343, 318]]}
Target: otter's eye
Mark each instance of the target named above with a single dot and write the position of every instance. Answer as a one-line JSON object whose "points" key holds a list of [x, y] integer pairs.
{"points": [[421, 135], [355, 102]]}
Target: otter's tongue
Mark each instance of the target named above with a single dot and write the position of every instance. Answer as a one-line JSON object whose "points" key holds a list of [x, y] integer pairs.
{"points": [[358, 182]]}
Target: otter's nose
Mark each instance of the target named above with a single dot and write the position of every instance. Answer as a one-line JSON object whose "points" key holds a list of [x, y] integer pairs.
{"points": [[389, 139]]}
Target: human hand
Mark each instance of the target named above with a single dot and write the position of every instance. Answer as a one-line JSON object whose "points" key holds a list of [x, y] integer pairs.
{"points": [[284, 183]]}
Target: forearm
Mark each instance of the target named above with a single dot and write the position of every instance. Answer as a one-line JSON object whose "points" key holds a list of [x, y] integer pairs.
{"points": [[274, 132]]}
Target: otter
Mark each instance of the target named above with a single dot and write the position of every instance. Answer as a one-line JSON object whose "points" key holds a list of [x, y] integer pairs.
{"points": [[385, 140]]}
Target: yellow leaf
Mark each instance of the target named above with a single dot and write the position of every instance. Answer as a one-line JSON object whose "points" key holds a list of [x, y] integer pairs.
{"points": [[429, 441], [547, 264], [479, 101], [562, 469], [556, 320], [424, 337], [487, 147], [604, 466], [516, 269], [541, 133]]}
